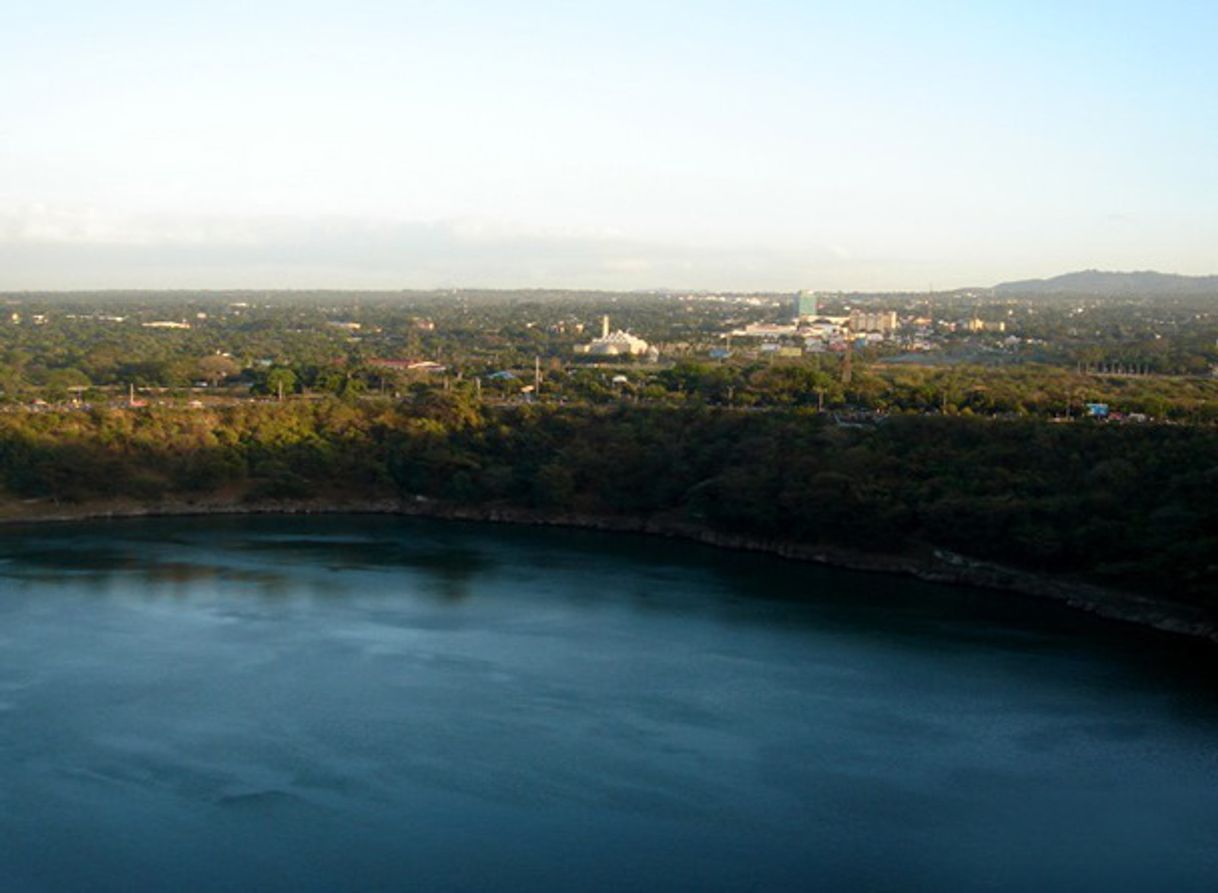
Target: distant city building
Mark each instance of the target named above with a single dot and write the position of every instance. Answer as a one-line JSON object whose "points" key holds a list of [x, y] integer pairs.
{"points": [[765, 330], [980, 325], [882, 321], [807, 306], [824, 327], [613, 344], [427, 366], [407, 365], [166, 324]]}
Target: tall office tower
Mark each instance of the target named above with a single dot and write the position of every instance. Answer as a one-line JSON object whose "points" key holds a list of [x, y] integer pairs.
{"points": [[806, 305]]}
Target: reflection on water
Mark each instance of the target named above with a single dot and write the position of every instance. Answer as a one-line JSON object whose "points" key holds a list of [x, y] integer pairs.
{"points": [[448, 568], [99, 567], [88, 560], [374, 703]]}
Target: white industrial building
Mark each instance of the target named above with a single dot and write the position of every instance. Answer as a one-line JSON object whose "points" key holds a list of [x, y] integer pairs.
{"points": [[613, 344]]}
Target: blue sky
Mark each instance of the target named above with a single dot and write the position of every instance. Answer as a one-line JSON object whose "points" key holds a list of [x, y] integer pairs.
{"points": [[762, 145]]}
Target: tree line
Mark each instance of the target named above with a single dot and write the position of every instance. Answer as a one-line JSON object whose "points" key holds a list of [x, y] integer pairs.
{"points": [[1130, 506]]}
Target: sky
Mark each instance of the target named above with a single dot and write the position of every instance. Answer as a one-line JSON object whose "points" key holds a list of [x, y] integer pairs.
{"points": [[765, 145]]}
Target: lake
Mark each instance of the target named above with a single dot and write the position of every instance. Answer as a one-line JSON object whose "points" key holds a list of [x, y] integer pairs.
{"points": [[373, 703]]}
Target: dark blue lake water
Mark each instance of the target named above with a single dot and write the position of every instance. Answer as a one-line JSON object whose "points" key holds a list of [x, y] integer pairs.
{"points": [[380, 704]]}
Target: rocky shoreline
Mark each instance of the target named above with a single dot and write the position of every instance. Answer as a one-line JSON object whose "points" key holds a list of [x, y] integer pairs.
{"points": [[936, 566]]}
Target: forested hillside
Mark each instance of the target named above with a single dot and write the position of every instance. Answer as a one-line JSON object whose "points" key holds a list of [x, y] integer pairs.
{"points": [[1130, 506]]}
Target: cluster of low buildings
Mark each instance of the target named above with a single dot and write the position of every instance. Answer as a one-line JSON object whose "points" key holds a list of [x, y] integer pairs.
{"points": [[810, 331]]}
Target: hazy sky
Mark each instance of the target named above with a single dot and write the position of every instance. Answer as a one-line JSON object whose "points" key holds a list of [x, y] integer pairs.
{"points": [[733, 145]]}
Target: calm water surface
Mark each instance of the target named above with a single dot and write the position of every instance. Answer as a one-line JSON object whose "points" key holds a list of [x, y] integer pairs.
{"points": [[379, 704]]}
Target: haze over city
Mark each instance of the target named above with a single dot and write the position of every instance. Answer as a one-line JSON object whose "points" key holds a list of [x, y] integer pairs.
{"points": [[774, 145]]}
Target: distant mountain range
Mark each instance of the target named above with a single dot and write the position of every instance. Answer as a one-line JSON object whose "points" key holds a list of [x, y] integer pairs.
{"points": [[1140, 283]]}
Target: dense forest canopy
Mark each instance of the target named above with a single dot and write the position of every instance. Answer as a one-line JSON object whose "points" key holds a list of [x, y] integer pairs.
{"points": [[1128, 505]]}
